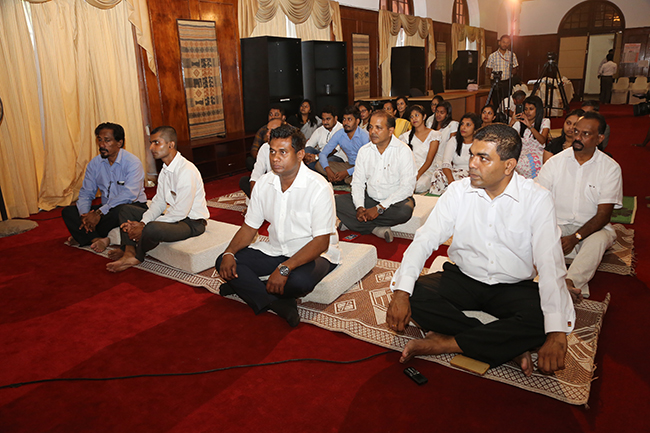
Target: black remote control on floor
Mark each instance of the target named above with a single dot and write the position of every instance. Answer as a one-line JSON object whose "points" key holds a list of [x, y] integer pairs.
{"points": [[415, 375]]}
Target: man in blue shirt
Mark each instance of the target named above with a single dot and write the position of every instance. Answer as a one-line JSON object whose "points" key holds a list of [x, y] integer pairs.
{"points": [[119, 177], [351, 139]]}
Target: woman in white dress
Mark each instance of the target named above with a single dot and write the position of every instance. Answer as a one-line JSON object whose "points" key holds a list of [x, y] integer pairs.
{"points": [[437, 100], [424, 143], [533, 128], [455, 165], [446, 127]]}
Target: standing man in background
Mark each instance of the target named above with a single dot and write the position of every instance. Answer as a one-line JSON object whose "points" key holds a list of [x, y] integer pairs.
{"points": [[499, 61]]}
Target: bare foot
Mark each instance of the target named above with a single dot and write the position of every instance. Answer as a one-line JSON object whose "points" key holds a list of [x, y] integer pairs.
{"points": [[123, 264], [576, 294], [115, 254], [525, 361], [431, 344], [100, 244], [72, 242]]}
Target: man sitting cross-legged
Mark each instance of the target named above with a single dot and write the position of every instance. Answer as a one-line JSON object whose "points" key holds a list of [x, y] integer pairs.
{"points": [[178, 210], [119, 177], [586, 185], [303, 243], [382, 183], [504, 228], [350, 140]]}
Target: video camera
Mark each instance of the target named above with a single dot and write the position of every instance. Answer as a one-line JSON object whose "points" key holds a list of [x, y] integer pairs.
{"points": [[551, 56], [644, 107]]}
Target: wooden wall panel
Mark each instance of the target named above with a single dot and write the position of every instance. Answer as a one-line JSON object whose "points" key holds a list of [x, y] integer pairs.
{"points": [[165, 92], [531, 52], [354, 20], [640, 35]]}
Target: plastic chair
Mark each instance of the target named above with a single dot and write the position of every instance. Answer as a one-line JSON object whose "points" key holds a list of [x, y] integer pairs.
{"points": [[639, 86], [620, 91]]}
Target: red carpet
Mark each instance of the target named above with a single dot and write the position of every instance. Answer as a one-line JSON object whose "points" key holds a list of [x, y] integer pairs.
{"points": [[63, 315]]}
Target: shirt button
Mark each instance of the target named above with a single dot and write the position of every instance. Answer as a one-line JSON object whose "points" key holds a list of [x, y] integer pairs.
{"points": [[491, 262]]}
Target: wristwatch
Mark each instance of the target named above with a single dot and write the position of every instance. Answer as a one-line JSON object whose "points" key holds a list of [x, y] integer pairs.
{"points": [[380, 209], [99, 211], [284, 270], [578, 236]]}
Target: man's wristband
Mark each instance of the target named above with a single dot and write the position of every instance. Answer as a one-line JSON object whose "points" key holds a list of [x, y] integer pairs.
{"points": [[228, 253]]}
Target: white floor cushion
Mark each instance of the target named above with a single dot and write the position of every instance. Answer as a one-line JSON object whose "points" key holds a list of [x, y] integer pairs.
{"points": [[194, 254], [423, 207], [357, 260]]}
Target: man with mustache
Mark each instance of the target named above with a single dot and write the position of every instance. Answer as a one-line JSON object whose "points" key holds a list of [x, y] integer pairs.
{"points": [[504, 234], [303, 244], [382, 183], [587, 185], [119, 177]]}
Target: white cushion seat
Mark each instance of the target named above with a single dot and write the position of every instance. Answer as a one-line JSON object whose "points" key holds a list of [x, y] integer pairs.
{"points": [[423, 207], [194, 254]]}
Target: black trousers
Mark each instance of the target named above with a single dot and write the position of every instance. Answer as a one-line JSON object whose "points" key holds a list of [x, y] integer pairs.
{"points": [[439, 299], [156, 232], [606, 83], [253, 264], [397, 213], [245, 185], [108, 222]]}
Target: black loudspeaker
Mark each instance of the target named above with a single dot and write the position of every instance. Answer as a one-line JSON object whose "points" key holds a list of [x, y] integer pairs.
{"points": [[407, 70], [465, 70], [271, 75], [324, 74]]}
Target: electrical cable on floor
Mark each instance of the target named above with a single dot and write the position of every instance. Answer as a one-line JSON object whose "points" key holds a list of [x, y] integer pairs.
{"points": [[193, 373]]}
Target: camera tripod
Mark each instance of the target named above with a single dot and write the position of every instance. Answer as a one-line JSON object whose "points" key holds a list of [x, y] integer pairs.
{"points": [[551, 71]]}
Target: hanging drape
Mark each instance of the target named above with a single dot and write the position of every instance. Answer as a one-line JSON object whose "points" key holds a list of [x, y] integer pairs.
{"points": [[86, 60], [418, 32], [461, 32], [21, 143], [311, 17], [138, 16]]}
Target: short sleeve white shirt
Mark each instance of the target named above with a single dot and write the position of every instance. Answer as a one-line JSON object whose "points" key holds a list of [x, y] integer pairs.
{"points": [[296, 216], [445, 136], [579, 189], [421, 148]]}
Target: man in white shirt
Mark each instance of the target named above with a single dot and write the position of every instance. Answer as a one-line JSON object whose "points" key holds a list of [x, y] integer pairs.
{"points": [[382, 183], [262, 164], [303, 242], [504, 233], [178, 210], [322, 136], [586, 185], [606, 74]]}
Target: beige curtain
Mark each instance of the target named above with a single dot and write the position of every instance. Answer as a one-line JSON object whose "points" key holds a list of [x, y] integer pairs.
{"points": [[87, 78], [21, 144], [418, 32], [311, 17], [461, 32], [138, 16]]}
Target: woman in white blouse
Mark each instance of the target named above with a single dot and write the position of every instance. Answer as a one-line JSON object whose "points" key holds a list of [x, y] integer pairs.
{"points": [[533, 128], [424, 143], [455, 165], [446, 127]]}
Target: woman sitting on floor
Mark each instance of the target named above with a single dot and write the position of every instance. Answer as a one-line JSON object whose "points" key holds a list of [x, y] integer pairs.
{"points": [[565, 140], [488, 115], [437, 100], [402, 105], [424, 143], [446, 127], [533, 128], [305, 120], [455, 165]]}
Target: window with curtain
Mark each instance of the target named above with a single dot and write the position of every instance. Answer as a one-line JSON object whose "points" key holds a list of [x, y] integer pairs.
{"points": [[460, 14], [399, 6]]}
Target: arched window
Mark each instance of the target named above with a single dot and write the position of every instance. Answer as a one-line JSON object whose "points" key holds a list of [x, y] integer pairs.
{"points": [[460, 13], [400, 6], [592, 16]]}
